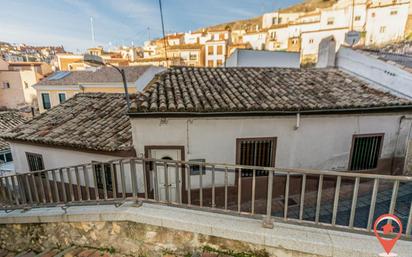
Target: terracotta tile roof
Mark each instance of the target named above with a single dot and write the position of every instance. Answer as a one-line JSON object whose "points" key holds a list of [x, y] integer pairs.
{"points": [[100, 75], [205, 90], [9, 120], [92, 121]]}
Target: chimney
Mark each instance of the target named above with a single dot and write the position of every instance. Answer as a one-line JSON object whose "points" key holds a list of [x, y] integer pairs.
{"points": [[326, 53]]}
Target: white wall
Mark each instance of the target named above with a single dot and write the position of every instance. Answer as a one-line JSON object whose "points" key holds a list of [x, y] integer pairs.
{"points": [[253, 58], [321, 142], [54, 157], [381, 73]]}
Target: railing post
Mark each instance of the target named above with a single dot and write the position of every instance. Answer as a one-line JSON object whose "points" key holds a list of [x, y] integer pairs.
{"points": [[268, 221]]}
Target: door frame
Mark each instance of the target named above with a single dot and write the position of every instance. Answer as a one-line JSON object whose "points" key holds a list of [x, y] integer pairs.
{"points": [[148, 148]]}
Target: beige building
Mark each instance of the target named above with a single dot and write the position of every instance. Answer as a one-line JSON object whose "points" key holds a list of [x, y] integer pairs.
{"points": [[62, 85], [17, 80]]}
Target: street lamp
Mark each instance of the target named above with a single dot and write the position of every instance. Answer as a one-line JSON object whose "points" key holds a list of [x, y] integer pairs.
{"points": [[95, 60]]}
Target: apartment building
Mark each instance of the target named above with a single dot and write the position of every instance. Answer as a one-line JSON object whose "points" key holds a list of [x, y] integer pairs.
{"points": [[17, 80]]}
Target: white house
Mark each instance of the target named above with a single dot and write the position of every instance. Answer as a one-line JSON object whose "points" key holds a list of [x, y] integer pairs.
{"points": [[389, 71], [255, 58]]}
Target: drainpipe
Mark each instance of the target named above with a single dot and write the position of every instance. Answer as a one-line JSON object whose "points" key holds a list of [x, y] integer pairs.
{"points": [[297, 121]]}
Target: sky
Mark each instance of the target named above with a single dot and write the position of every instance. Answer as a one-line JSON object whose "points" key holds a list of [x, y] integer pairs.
{"points": [[117, 22]]}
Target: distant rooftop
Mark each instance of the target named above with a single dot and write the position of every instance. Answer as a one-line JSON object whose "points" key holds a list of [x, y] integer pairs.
{"points": [[98, 75]]}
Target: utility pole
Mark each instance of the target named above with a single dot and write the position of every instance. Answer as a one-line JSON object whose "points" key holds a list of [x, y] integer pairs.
{"points": [[92, 30]]}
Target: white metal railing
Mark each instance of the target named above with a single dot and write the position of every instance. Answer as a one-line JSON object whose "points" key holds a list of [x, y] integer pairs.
{"points": [[217, 187]]}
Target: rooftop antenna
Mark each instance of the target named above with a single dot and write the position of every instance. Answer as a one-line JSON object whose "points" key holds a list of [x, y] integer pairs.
{"points": [[92, 30]]}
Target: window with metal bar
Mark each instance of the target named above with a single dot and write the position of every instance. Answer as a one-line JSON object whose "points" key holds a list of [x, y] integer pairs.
{"points": [[365, 152], [256, 152], [35, 161], [107, 175]]}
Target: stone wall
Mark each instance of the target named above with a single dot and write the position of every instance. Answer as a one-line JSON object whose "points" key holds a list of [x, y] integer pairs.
{"points": [[123, 237]]}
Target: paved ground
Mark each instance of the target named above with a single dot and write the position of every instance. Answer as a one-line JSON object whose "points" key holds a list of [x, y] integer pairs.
{"points": [[403, 203]]}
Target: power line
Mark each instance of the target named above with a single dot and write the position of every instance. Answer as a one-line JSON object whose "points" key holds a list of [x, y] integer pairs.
{"points": [[163, 30]]}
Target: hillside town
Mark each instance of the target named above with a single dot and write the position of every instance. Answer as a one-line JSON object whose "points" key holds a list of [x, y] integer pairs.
{"points": [[284, 134]]}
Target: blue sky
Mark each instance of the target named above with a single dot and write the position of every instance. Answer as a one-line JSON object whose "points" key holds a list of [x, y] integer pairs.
{"points": [[116, 22]]}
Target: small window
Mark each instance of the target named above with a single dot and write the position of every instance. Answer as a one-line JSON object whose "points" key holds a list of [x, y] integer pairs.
{"points": [[311, 41], [219, 63], [62, 97], [210, 63], [210, 50], [330, 21], [26, 85], [382, 29], [35, 161], [107, 173], [219, 49], [256, 152], [197, 169], [45, 97], [6, 85], [357, 18], [273, 34], [8, 157], [394, 12], [193, 57], [365, 151]]}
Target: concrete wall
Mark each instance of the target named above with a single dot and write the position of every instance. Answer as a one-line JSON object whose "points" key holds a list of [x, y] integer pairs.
{"points": [[387, 76], [252, 58]]}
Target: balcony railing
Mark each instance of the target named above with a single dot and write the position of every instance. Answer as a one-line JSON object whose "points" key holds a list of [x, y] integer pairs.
{"points": [[336, 200]]}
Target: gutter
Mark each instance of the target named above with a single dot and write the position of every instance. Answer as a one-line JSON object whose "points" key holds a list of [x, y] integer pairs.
{"points": [[270, 113]]}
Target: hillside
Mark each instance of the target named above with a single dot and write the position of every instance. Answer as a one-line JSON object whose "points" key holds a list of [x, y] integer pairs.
{"points": [[306, 6]]}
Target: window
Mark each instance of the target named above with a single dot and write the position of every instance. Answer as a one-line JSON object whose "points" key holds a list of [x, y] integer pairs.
{"points": [[382, 29], [104, 169], [373, 15], [311, 41], [256, 152], [219, 49], [330, 21], [357, 18], [273, 34], [365, 151], [394, 12], [197, 169], [26, 85], [45, 97], [193, 57], [6, 157], [62, 97], [219, 63], [35, 161], [222, 36], [6, 85], [210, 50]]}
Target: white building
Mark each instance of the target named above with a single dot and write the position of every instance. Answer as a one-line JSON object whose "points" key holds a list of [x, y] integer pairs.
{"points": [[255, 58], [390, 72], [215, 53]]}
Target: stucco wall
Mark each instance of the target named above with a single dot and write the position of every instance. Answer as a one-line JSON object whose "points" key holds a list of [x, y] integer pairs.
{"points": [[321, 142], [53, 157], [13, 96], [252, 58], [381, 73]]}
